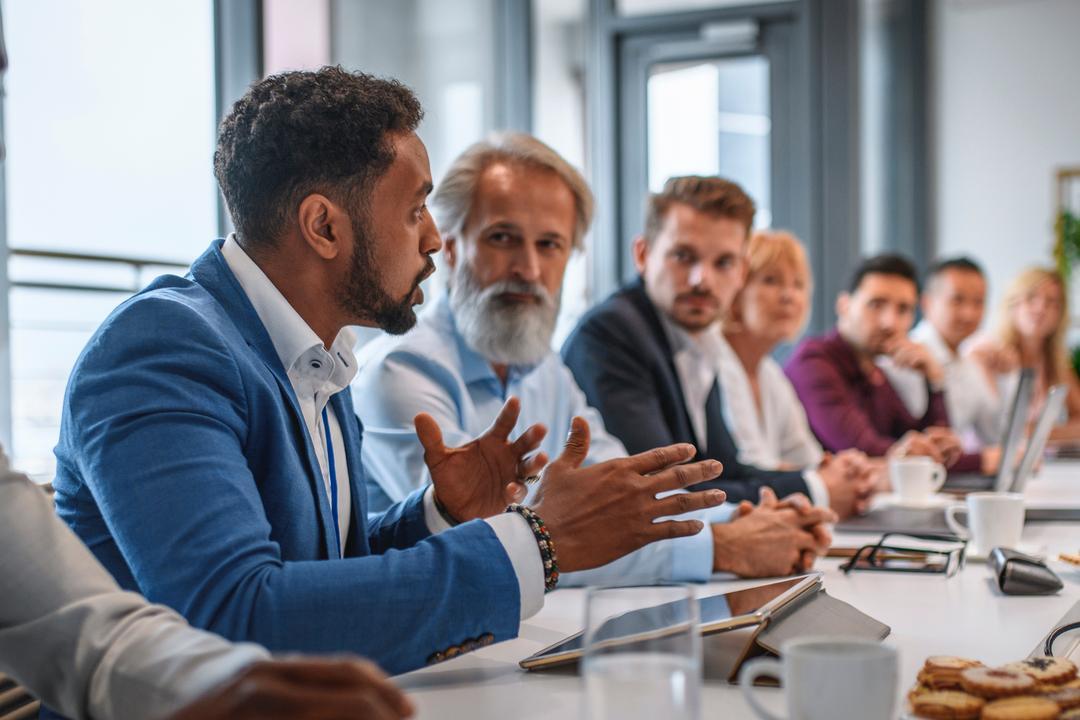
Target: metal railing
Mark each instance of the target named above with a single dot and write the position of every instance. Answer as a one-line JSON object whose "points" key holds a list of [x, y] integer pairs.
{"points": [[137, 265]]}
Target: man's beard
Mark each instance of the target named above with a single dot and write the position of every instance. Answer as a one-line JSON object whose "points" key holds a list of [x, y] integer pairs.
{"points": [[363, 296], [507, 333]]}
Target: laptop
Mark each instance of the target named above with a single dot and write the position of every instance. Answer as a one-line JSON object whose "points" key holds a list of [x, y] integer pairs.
{"points": [[932, 520], [1012, 436]]}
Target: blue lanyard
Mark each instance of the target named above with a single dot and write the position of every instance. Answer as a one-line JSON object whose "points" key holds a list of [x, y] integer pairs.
{"points": [[333, 474]]}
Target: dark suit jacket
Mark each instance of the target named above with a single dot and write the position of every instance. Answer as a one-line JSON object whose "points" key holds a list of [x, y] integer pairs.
{"points": [[621, 358]]}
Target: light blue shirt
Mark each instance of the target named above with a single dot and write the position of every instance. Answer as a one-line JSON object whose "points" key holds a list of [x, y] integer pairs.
{"points": [[432, 370]]}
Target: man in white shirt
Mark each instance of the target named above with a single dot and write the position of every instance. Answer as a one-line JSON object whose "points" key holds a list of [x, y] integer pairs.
{"points": [[953, 304]]}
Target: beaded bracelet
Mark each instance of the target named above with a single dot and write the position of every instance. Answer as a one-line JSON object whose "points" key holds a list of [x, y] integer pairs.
{"points": [[543, 541]]}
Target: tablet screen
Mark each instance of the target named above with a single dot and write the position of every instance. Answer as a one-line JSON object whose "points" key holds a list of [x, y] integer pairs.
{"points": [[717, 612]]}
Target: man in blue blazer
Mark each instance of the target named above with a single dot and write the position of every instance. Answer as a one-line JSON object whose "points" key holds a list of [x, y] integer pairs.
{"points": [[210, 460], [643, 356]]}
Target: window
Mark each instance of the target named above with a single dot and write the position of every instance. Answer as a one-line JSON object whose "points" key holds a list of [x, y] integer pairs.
{"points": [[110, 136]]}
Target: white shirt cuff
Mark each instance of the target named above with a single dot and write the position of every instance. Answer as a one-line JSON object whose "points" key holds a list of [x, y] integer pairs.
{"points": [[432, 517], [519, 542], [819, 491]]}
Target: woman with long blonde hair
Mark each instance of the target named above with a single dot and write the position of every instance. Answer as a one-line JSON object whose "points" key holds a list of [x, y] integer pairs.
{"points": [[1032, 324]]}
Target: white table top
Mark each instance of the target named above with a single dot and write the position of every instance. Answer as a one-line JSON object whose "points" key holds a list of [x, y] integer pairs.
{"points": [[929, 615]]}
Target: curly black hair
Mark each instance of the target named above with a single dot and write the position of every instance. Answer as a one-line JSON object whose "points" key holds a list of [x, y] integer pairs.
{"points": [[297, 133]]}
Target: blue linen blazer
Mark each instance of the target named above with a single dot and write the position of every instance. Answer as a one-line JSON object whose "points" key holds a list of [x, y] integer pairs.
{"points": [[620, 356], [184, 464]]}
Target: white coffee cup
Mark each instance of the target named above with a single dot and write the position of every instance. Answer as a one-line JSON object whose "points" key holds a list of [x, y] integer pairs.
{"points": [[993, 520], [828, 679], [916, 479]]}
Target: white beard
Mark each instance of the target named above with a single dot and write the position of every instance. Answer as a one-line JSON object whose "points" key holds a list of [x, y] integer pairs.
{"points": [[506, 334]]}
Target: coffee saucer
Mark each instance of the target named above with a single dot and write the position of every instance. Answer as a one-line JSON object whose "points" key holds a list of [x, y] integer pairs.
{"points": [[937, 500]]}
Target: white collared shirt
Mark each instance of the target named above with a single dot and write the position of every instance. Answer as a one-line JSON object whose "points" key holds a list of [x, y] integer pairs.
{"points": [[778, 434], [316, 373], [974, 408], [697, 363]]}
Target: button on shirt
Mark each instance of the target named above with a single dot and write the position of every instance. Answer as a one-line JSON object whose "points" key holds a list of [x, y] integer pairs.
{"points": [[697, 363], [432, 369]]}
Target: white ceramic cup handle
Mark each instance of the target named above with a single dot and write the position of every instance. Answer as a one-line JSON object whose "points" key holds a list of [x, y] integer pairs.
{"points": [[954, 524], [750, 672], [938, 478]]}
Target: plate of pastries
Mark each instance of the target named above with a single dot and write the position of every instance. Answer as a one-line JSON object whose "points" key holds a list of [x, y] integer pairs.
{"points": [[955, 688]]}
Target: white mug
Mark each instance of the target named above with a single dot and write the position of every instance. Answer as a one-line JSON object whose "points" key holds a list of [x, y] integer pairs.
{"points": [[993, 520], [916, 479], [828, 679]]}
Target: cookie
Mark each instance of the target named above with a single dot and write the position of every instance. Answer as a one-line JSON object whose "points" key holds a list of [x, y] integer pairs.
{"points": [[942, 672], [947, 705], [918, 690], [993, 683], [1065, 698], [1046, 670], [1072, 559], [1025, 707]]}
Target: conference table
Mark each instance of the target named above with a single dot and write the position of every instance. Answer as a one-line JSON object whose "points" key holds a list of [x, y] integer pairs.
{"points": [[929, 615]]}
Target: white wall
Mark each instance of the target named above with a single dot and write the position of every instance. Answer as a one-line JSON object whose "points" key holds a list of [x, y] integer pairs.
{"points": [[1005, 117]]}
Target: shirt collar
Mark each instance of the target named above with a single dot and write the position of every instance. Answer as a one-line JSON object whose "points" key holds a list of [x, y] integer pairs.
{"points": [[705, 344], [292, 337]]}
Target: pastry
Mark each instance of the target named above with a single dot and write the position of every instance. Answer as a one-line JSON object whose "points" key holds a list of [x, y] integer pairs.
{"points": [[1026, 707], [1066, 698], [1046, 670], [947, 705], [921, 689], [1073, 559], [993, 683], [942, 672]]}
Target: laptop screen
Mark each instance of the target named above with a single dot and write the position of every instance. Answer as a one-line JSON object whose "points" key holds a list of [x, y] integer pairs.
{"points": [[1013, 434]]}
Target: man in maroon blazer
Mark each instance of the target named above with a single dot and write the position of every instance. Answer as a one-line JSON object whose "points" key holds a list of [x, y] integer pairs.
{"points": [[848, 399]]}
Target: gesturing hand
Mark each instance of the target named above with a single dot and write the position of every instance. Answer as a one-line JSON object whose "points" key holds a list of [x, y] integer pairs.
{"points": [[302, 689], [480, 478], [599, 513]]}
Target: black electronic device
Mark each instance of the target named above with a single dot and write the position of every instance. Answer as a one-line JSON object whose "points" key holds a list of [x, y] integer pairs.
{"points": [[1020, 574]]}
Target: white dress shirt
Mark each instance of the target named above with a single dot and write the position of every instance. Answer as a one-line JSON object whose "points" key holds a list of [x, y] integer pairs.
{"points": [[316, 374], [78, 642], [777, 435], [974, 407], [697, 363]]}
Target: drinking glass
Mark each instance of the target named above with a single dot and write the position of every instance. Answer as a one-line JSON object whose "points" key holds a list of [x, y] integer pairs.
{"points": [[642, 653]]}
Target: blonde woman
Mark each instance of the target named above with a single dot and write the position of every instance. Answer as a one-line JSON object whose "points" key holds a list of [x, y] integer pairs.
{"points": [[1033, 321], [764, 414]]}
